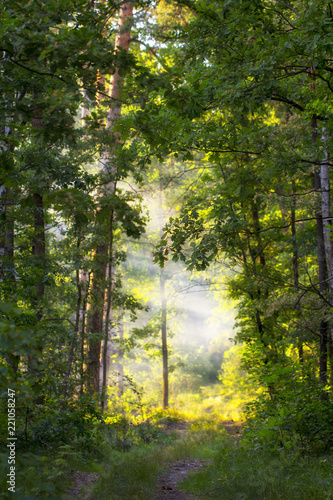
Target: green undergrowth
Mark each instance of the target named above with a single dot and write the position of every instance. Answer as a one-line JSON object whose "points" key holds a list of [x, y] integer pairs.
{"points": [[240, 472], [239, 469], [129, 452], [132, 475]]}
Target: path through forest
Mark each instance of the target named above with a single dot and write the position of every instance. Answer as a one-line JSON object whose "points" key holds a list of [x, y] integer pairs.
{"points": [[168, 482], [168, 486]]}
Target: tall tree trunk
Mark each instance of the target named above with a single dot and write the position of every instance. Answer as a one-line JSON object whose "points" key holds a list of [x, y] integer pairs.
{"points": [[76, 329], [295, 262], [322, 269], [108, 321], [120, 360], [327, 229], [323, 329], [7, 269], [165, 394], [85, 280], [39, 253], [38, 249], [98, 287], [326, 213], [7, 272], [6, 222], [95, 319], [165, 354]]}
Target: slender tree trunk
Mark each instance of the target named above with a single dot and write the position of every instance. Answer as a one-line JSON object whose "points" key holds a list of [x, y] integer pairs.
{"points": [[326, 214], [39, 253], [6, 222], [95, 319], [323, 329], [165, 394], [7, 272], [86, 282], [120, 360], [76, 329], [255, 253], [295, 262], [98, 287], [322, 270], [108, 321], [39, 249], [7, 262]]}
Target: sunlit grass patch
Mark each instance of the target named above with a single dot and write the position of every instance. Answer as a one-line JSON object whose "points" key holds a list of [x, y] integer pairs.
{"points": [[211, 401]]}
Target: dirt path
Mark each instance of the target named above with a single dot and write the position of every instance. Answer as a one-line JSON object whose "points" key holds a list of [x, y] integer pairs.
{"points": [[169, 480], [167, 485], [177, 472], [81, 483]]}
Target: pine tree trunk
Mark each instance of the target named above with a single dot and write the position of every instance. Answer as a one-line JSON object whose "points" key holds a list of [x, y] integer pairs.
{"points": [[99, 278]]}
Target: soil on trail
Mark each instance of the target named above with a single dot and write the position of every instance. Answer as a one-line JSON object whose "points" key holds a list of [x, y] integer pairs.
{"points": [[81, 483], [233, 428], [167, 485], [170, 426], [177, 472]]}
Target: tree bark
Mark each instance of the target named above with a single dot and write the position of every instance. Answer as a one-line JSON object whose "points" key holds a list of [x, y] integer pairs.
{"points": [[98, 287], [76, 329], [165, 394], [323, 329], [326, 214], [39, 247], [295, 262], [120, 361], [95, 319], [85, 280], [322, 267], [108, 322]]}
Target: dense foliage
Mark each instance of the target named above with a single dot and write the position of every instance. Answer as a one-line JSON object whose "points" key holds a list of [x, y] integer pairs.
{"points": [[220, 109]]}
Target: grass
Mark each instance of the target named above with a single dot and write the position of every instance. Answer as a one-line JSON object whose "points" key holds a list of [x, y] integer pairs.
{"points": [[211, 400], [239, 473], [133, 452], [133, 475], [236, 472]]}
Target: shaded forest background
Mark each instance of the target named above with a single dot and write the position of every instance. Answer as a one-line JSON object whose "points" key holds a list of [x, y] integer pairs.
{"points": [[165, 176]]}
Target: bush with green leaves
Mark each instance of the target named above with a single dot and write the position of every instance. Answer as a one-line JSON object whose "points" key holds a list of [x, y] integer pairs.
{"points": [[294, 413]]}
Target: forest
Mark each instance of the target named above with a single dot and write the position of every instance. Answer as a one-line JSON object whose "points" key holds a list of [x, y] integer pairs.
{"points": [[166, 249]]}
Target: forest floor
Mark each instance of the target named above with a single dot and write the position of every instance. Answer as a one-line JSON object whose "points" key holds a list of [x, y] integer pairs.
{"points": [[168, 488], [179, 457], [176, 467], [168, 481]]}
